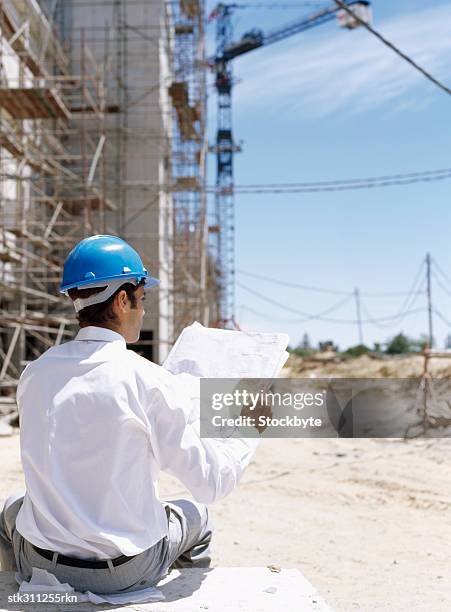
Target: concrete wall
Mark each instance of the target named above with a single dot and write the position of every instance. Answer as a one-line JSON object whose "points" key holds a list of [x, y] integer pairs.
{"points": [[130, 40]]}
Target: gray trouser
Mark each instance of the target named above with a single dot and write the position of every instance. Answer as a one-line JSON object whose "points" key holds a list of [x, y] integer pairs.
{"points": [[187, 545]]}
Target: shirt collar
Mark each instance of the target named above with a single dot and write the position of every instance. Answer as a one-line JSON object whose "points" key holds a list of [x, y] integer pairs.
{"points": [[99, 334]]}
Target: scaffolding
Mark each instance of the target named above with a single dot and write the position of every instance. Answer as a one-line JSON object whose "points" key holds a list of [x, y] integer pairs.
{"points": [[51, 176], [78, 158], [189, 148]]}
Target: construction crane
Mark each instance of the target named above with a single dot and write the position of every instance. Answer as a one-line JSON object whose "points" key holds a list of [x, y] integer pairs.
{"points": [[222, 230]]}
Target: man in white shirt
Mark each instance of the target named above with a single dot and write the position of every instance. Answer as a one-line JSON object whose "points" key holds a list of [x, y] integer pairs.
{"points": [[98, 423]]}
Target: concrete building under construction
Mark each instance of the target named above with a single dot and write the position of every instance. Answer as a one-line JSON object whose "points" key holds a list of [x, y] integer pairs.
{"points": [[102, 130]]}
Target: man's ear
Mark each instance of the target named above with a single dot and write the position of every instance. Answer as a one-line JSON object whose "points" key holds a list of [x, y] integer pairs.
{"points": [[121, 300]]}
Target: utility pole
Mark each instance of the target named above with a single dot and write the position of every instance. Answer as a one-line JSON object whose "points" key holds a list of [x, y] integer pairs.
{"points": [[428, 275], [359, 316]]}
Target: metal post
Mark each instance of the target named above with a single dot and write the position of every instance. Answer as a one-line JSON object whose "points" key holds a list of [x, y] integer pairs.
{"points": [[429, 294], [359, 316]]}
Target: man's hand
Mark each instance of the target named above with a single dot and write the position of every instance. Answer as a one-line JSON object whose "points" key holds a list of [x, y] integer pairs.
{"points": [[261, 409]]}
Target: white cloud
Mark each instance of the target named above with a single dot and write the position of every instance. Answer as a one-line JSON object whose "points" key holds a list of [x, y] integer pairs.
{"points": [[349, 70]]}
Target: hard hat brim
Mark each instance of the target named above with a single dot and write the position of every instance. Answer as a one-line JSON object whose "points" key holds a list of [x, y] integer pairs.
{"points": [[151, 281]]}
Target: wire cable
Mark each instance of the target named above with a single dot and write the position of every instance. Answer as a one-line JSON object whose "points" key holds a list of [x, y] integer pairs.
{"points": [[263, 189], [440, 284], [278, 5], [267, 317], [442, 317], [418, 277], [320, 316], [398, 318], [384, 177], [409, 301], [294, 285], [312, 187], [322, 289], [336, 306], [306, 315], [425, 176], [391, 46], [440, 269]]}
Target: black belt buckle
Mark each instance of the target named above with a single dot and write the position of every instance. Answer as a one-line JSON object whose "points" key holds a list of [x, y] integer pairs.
{"points": [[86, 563]]}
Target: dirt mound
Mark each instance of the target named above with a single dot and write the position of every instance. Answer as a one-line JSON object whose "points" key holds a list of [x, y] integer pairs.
{"points": [[365, 366]]}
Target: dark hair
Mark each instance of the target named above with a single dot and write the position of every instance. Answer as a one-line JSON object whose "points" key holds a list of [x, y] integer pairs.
{"points": [[102, 313]]}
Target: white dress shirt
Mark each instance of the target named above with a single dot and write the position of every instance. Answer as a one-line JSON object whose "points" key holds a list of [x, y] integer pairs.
{"points": [[98, 423]]}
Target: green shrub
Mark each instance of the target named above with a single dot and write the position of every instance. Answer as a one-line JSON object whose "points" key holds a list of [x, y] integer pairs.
{"points": [[356, 351], [399, 345], [302, 352]]}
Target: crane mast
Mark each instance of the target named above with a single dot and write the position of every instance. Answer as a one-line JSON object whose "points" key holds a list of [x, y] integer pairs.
{"points": [[223, 230], [224, 147]]}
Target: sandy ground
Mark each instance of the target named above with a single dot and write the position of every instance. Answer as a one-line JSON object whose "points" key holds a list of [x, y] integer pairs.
{"points": [[366, 521]]}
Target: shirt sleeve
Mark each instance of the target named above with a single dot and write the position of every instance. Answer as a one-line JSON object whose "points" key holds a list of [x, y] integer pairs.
{"points": [[23, 380], [209, 468]]}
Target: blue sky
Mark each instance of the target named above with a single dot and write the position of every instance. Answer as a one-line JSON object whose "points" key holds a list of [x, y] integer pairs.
{"points": [[332, 104]]}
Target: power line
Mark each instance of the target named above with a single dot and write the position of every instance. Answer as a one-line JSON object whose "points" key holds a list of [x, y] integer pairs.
{"points": [[375, 182], [414, 288], [384, 177], [267, 317], [294, 285], [306, 315], [405, 309], [278, 5], [429, 299], [442, 317], [440, 269], [390, 294], [359, 315], [335, 306], [323, 289], [113, 3], [391, 46], [320, 316], [319, 186], [440, 284], [263, 189], [399, 317]]}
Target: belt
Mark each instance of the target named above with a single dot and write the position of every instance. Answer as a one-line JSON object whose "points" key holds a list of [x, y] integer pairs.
{"points": [[72, 561]]}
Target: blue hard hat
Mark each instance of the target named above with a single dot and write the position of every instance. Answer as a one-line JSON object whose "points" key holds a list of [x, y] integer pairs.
{"points": [[103, 258]]}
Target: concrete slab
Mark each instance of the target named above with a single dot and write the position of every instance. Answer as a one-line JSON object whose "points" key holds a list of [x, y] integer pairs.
{"points": [[219, 589], [5, 429]]}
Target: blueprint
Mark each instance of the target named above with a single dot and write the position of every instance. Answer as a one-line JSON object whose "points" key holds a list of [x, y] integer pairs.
{"points": [[221, 353]]}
